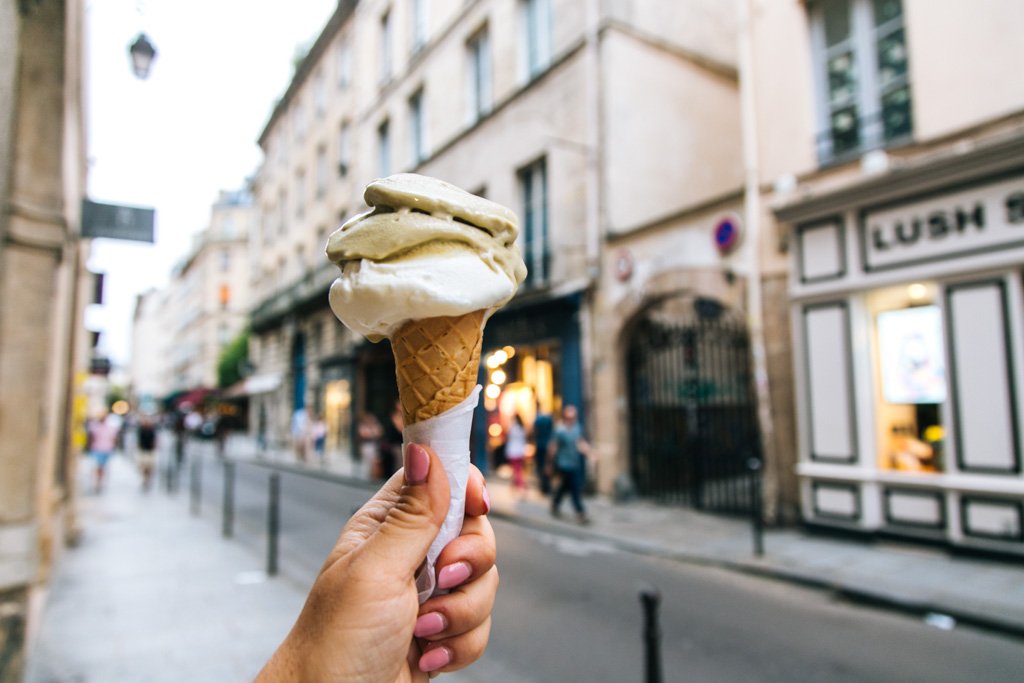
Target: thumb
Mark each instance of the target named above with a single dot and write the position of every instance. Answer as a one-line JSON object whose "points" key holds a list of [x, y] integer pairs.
{"points": [[403, 538]]}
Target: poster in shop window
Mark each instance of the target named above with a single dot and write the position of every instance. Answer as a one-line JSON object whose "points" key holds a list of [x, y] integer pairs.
{"points": [[911, 350]]}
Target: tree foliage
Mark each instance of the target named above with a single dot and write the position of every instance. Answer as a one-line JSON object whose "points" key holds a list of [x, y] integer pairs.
{"points": [[233, 359]]}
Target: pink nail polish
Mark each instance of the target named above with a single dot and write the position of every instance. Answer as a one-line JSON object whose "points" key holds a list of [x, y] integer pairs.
{"points": [[430, 624], [453, 575], [437, 658], [417, 464], [487, 501]]}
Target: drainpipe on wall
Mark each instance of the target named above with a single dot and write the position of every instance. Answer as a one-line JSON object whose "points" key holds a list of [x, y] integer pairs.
{"points": [[592, 233], [752, 223]]}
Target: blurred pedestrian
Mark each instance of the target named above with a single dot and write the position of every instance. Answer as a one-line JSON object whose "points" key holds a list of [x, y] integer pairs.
{"points": [[318, 435], [390, 450], [369, 431], [515, 453], [361, 620], [568, 449], [300, 433], [146, 457], [543, 427], [103, 433]]}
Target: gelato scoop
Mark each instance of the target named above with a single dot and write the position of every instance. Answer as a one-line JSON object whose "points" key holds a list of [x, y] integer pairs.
{"points": [[425, 249]]}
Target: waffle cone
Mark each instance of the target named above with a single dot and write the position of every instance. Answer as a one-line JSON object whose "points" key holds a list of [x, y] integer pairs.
{"points": [[436, 363]]}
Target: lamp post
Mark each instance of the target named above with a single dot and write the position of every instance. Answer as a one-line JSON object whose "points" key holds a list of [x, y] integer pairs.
{"points": [[142, 54]]}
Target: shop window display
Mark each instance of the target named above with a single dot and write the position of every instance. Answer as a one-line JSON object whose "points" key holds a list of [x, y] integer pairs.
{"points": [[911, 379], [521, 381]]}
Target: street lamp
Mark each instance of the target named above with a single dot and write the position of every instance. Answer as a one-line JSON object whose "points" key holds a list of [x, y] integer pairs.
{"points": [[142, 53]]}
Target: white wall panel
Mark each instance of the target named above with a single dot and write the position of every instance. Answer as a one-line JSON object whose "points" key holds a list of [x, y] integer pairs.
{"points": [[830, 389], [983, 391]]}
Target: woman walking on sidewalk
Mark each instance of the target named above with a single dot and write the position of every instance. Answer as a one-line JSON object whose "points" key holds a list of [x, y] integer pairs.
{"points": [[567, 450], [515, 453]]}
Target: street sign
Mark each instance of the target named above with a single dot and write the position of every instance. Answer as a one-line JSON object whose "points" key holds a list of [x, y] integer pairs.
{"points": [[117, 221]]}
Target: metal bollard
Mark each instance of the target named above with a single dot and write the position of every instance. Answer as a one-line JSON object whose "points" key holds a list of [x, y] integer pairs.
{"points": [[756, 518], [228, 517], [273, 522], [650, 598], [196, 484]]}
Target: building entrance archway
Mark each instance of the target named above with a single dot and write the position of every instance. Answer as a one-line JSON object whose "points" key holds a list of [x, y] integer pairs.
{"points": [[692, 405]]}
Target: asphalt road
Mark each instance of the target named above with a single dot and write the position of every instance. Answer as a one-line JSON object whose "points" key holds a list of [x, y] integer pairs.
{"points": [[568, 610]]}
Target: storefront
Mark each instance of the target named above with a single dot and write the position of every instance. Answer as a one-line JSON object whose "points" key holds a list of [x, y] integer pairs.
{"points": [[530, 363], [908, 319]]}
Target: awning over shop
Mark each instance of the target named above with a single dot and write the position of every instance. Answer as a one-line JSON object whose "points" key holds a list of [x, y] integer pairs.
{"points": [[257, 384]]}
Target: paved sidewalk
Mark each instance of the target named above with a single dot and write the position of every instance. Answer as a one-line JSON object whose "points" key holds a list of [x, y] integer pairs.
{"points": [[154, 594]]}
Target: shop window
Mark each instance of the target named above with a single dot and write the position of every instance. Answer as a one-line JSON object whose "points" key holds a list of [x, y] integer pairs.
{"points": [[337, 401], [910, 377], [520, 380], [862, 76]]}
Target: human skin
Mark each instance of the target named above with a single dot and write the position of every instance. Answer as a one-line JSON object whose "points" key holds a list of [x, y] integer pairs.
{"points": [[362, 621]]}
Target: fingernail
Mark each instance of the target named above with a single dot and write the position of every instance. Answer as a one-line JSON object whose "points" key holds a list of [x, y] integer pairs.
{"points": [[417, 464], [487, 501], [435, 659], [430, 624], [453, 575]]}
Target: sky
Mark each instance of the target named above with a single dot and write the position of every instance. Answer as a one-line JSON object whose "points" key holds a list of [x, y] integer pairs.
{"points": [[174, 140]]}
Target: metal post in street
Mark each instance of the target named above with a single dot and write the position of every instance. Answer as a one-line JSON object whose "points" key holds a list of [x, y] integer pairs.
{"points": [[196, 484], [273, 522], [650, 598], [228, 499], [756, 518]]}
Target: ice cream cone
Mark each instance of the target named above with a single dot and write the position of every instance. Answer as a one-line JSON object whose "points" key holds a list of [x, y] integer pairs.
{"points": [[436, 363]]}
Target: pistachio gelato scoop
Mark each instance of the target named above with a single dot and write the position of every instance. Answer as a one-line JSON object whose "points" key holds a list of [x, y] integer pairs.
{"points": [[425, 249]]}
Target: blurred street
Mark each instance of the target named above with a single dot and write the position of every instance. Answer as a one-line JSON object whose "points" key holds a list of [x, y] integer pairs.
{"points": [[153, 593]]}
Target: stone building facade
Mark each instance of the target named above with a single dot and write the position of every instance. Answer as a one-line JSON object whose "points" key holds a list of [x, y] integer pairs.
{"points": [[43, 292], [890, 186], [611, 128], [204, 307]]}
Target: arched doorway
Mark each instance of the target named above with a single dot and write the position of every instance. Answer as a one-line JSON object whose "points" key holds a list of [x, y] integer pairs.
{"points": [[692, 406]]}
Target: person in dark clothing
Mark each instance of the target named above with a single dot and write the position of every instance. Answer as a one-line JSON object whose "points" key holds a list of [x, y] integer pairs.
{"points": [[147, 450], [567, 450], [391, 442], [542, 429]]}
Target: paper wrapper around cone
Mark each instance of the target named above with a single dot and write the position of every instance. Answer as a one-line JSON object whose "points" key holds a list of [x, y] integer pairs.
{"points": [[448, 435], [436, 364]]}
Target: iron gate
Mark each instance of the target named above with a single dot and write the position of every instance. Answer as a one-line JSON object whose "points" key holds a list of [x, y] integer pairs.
{"points": [[693, 412]]}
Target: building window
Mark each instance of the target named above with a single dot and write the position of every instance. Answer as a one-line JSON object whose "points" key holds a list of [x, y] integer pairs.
{"points": [[861, 75], [225, 260], [385, 47], [299, 121], [478, 51], [384, 148], [418, 30], [321, 172], [344, 149], [300, 194], [533, 182], [282, 212], [319, 94], [418, 145], [344, 64], [536, 23]]}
